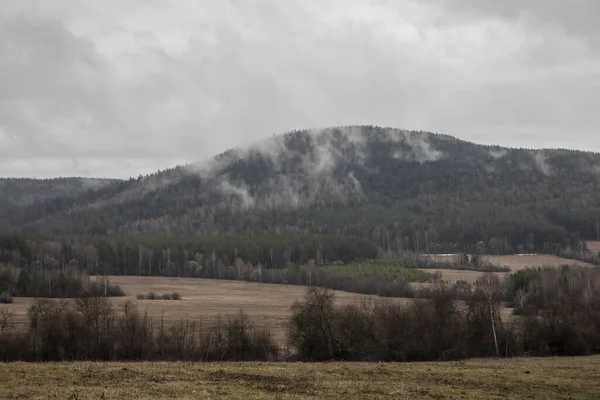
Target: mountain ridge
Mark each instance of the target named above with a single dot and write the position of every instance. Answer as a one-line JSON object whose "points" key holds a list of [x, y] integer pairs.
{"points": [[296, 182]]}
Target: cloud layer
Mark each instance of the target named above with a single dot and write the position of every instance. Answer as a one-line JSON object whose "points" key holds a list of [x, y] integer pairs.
{"points": [[118, 88]]}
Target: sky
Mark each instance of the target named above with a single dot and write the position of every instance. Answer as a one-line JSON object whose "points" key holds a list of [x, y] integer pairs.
{"points": [[118, 88]]}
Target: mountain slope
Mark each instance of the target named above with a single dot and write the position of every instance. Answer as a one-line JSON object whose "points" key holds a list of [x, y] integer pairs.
{"points": [[400, 189], [19, 191]]}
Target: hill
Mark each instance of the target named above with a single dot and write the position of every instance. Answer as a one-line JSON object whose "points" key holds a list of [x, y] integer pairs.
{"points": [[23, 191], [399, 189]]}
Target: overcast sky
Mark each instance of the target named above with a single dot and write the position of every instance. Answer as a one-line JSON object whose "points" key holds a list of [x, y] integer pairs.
{"points": [[117, 88]]}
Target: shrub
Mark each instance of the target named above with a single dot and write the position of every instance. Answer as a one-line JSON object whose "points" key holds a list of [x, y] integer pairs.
{"points": [[6, 298], [164, 296]]}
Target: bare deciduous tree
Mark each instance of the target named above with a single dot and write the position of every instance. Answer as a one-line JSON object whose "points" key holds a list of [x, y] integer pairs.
{"points": [[492, 289]]}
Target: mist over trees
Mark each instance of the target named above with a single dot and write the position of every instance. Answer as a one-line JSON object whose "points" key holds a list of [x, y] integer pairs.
{"points": [[401, 190]]}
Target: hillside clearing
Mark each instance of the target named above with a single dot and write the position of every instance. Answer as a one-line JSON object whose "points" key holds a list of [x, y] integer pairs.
{"points": [[527, 378]]}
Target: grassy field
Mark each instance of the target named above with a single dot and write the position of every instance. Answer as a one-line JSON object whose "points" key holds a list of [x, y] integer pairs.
{"points": [[266, 304], [528, 378]]}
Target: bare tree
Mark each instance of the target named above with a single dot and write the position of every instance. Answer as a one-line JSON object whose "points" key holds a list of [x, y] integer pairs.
{"points": [[521, 296], [492, 289]]}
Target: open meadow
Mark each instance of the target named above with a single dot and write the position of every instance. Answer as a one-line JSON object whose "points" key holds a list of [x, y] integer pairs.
{"points": [[523, 378]]}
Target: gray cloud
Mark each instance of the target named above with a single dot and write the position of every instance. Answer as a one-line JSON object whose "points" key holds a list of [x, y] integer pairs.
{"points": [[120, 88]]}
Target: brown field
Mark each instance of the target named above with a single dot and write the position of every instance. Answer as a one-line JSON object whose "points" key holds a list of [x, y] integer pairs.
{"points": [[519, 262], [514, 262], [594, 246], [266, 304], [523, 378]]}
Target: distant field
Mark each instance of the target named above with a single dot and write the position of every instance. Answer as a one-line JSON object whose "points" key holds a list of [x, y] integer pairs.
{"points": [[267, 304], [514, 262], [594, 246], [523, 378], [519, 262]]}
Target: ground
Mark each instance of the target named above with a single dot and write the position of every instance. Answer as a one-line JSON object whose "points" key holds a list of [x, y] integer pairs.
{"points": [[523, 378]]}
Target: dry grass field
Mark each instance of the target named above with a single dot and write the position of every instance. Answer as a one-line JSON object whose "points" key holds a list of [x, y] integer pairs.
{"points": [[514, 262], [525, 378], [266, 304], [594, 246], [519, 262]]}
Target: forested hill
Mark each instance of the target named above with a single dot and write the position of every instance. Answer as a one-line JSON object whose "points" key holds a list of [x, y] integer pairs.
{"points": [[24, 191], [399, 189]]}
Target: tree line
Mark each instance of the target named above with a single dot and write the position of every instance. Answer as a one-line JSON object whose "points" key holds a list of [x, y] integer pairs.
{"points": [[182, 256], [67, 283]]}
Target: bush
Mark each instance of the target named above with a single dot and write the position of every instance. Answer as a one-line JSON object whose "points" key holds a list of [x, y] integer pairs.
{"points": [[6, 298], [95, 289], [164, 296]]}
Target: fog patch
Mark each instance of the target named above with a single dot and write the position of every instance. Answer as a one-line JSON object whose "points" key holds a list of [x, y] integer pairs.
{"points": [[241, 192], [541, 162], [357, 186], [498, 154], [420, 148]]}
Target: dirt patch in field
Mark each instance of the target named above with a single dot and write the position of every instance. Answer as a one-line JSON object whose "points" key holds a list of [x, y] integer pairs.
{"points": [[268, 383]]}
